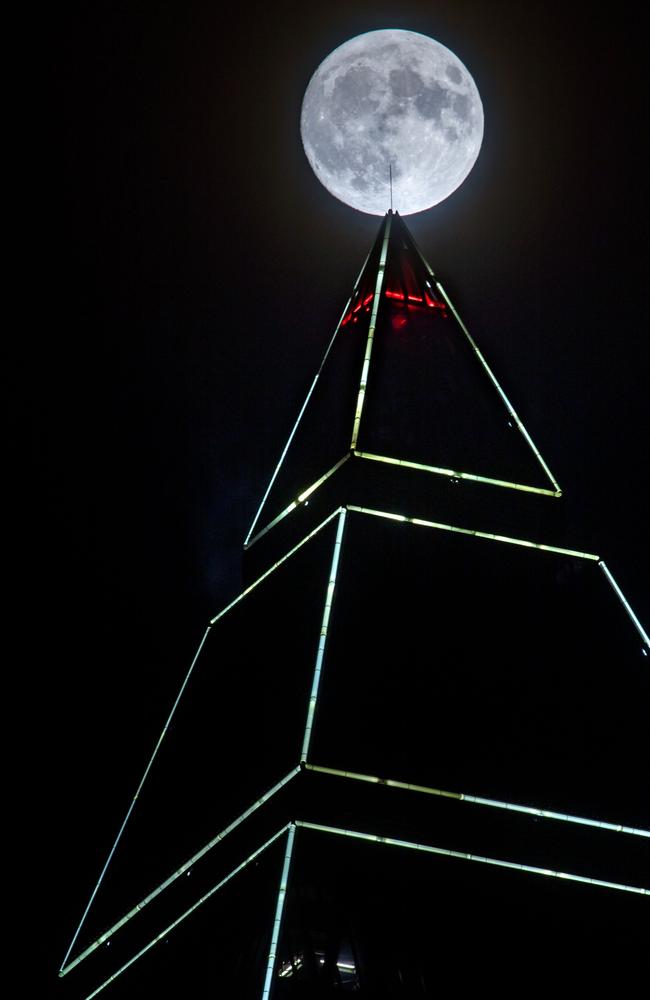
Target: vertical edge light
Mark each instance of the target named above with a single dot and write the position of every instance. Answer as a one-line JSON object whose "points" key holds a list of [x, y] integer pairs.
{"points": [[371, 334], [329, 598], [277, 922]]}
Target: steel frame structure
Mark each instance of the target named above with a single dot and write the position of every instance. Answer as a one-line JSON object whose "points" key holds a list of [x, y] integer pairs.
{"points": [[303, 761]]}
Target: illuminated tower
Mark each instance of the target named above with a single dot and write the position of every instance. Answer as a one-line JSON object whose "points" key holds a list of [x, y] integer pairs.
{"points": [[410, 740]]}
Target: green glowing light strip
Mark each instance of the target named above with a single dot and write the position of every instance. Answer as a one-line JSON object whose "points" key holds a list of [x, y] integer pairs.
{"points": [[134, 800], [505, 399], [304, 405], [180, 871], [329, 599], [457, 475], [619, 593], [300, 499], [284, 880], [195, 906], [371, 334], [393, 842], [470, 531], [275, 565], [478, 800]]}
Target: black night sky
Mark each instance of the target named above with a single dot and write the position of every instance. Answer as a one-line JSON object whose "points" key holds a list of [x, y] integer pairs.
{"points": [[192, 269]]}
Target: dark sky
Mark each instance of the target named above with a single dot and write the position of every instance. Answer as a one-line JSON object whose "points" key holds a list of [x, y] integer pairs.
{"points": [[190, 270]]}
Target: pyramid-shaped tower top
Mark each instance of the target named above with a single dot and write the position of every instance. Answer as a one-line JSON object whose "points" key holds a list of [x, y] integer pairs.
{"points": [[403, 383], [354, 668]]}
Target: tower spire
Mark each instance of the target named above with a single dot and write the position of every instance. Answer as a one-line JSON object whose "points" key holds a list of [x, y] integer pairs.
{"points": [[409, 680]]}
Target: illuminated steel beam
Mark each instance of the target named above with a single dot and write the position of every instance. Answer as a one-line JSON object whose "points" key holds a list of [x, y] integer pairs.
{"points": [[171, 715], [179, 871], [371, 335], [134, 800], [479, 800], [471, 531], [329, 599], [454, 474], [489, 372], [275, 565], [195, 906], [463, 855], [304, 405], [299, 499], [511, 410], [619, 593], [277, 923]]}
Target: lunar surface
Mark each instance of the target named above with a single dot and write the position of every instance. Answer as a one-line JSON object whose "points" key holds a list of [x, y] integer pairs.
{"points": [[391, 99]]}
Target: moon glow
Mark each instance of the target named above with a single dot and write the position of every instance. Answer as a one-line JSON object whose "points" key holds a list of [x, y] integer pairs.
{"points": [[397, 100]]}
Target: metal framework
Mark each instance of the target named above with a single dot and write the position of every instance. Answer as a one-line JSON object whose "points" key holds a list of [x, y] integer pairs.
{"points": [[553, 490], [303, 763]]}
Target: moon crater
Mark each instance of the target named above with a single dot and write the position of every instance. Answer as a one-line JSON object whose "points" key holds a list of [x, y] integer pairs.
{"points": [[391, 99]]}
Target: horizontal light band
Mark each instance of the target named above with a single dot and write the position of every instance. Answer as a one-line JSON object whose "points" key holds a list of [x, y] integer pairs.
{"points": [[454, 474], [329, 598], [277, 922], [478, 800], [195, 906], [621, 596], [470, 531], [275, 565], [463, 855], [300, 499], [180, 871]]}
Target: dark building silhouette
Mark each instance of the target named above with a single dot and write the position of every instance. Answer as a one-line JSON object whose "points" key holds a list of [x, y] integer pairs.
{"points": [[407, 756]]}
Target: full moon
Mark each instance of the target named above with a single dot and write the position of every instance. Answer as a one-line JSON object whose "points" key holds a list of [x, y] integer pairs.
{"points": [[397, 101]]}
